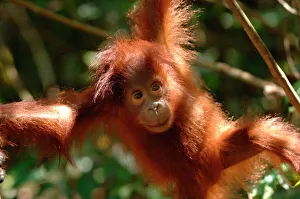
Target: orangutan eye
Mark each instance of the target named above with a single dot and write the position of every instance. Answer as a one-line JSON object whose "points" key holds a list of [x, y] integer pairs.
{"points": [[155, 86], [137, 95]]}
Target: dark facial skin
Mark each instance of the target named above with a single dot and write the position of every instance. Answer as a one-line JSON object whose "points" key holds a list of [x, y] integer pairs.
{"points": [[146, 98]]}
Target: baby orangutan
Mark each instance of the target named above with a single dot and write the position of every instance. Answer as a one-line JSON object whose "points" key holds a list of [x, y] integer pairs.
{"points": [[145, 92]]}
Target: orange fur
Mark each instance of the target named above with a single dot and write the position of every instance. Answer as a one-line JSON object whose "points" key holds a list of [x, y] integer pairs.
{"points": [[204, 153]]}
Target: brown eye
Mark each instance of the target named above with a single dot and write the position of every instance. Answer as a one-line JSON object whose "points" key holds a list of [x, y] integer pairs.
{"points": [[137, 95], [155, 87]]}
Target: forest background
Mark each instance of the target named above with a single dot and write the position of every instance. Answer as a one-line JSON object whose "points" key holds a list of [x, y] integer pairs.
{"points": [[41, 52]]}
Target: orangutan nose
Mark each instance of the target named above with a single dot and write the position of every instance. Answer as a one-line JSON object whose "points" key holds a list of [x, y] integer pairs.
{"points": [[154, 107]]}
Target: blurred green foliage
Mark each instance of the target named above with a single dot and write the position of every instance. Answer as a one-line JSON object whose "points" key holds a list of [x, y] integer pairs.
{"points": [[39, 55]]}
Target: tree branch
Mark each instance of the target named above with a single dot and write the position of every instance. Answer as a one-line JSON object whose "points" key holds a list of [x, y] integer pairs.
{"points": [[265, 53], [72, 23], [286, 6], [289, 58], [267, 86]]}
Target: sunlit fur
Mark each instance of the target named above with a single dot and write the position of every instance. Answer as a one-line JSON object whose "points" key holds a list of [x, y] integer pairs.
{"points": [[202, 152]]}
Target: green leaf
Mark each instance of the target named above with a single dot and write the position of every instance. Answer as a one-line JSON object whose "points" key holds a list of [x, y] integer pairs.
{"points": [[297, 184]]}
